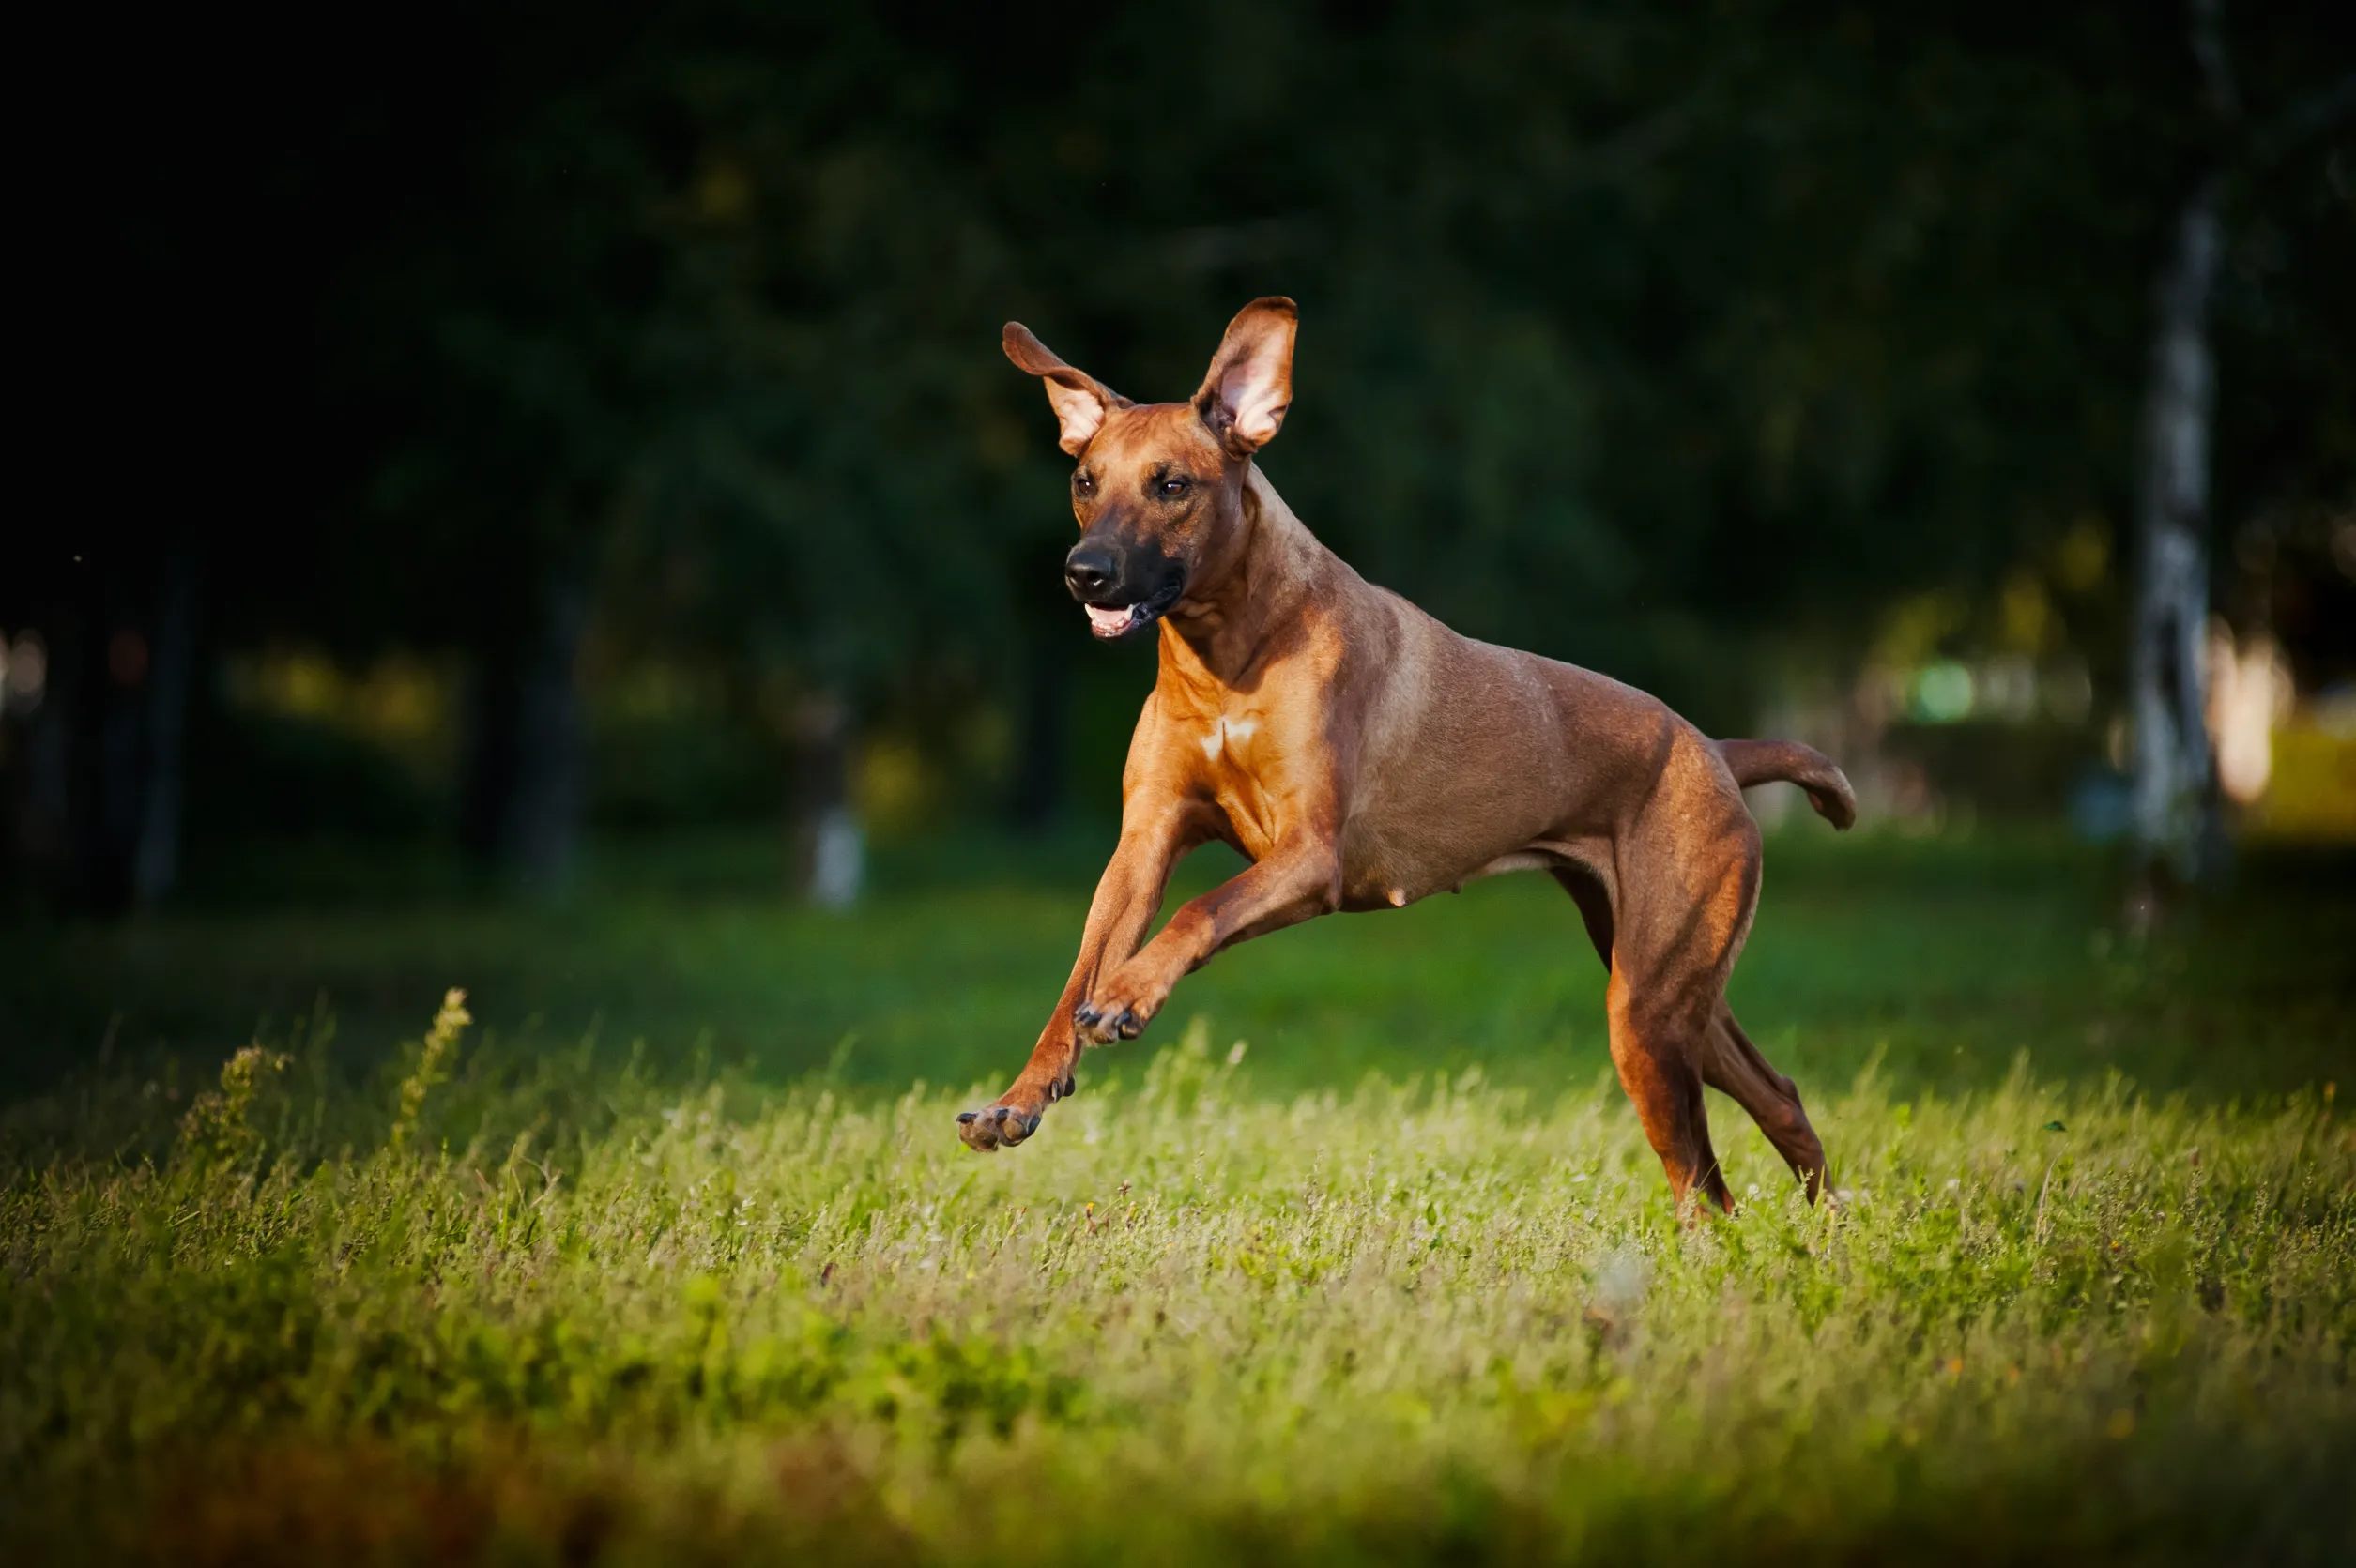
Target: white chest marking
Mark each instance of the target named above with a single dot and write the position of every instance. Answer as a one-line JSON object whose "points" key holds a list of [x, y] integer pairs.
{"points": [[1224, 730]]}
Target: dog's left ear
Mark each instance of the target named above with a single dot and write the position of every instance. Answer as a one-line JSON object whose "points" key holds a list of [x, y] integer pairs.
{"points": [[1245, 396]]}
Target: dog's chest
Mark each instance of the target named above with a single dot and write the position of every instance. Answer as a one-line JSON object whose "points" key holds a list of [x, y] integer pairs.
{"points": [[1228, 734], [1243, 765]]}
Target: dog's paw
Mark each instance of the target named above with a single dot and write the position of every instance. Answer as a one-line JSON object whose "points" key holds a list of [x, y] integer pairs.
{"points": [[1123, 1004], [1101, 1023], [1014, 1118], [996, 1127]]}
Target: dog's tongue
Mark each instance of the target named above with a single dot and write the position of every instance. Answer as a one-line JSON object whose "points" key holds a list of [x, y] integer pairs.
{"points": [[1108, 620]]}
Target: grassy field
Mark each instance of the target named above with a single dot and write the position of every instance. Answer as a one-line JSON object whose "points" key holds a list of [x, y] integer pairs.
{"points": [[673, 1254]]}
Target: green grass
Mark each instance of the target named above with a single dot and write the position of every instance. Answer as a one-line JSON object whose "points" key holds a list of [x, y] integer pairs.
{"points": [[1941, 958], [1397, 1281]]}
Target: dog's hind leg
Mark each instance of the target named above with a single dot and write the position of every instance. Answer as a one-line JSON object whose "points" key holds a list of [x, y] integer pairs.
{"points": [[1685, 878], [1730, 1063], [1648, 1048], [1652, 1046], [1734, 1067], [1654, 1069]]}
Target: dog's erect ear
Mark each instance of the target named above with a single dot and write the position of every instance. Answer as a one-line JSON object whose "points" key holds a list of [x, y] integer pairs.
{"points": [[1080, 400], [1250, 384]]}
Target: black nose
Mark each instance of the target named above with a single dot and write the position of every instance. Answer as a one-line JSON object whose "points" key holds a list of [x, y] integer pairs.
{"points": [[1089, 572]]}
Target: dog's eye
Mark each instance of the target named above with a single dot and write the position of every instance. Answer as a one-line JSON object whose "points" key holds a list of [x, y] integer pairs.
{"points": [[1175, 487], [1083, 486]]}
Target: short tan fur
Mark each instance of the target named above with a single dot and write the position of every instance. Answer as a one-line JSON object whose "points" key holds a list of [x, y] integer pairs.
{"points": [[1362, 755]]}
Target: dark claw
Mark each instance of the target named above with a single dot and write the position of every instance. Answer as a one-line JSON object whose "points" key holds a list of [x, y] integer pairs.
{"points": [[965, 1118], [1071, 1086], [1030, 1125], [1128, 1025], [1088, 1013], [1001, 1112]]}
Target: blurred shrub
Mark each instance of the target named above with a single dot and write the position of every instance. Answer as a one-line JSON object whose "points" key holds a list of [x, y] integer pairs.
{"points": [[253, 773], [2312, 794], [653, 771], [2005, 770]]}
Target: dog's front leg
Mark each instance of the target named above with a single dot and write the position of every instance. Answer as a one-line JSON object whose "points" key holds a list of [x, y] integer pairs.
{"points": [[1295, 881], [1128, 895]]}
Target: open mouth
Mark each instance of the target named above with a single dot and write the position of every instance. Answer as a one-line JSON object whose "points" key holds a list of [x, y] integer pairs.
{"points": [[1118, 620], [1112, 621]]}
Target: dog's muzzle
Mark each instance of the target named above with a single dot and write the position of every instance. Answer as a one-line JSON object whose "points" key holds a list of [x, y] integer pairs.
{"points": [[1117, 607]]}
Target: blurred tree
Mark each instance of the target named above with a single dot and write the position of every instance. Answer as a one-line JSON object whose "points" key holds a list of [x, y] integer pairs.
{"points": [[100, 755], [2176, 816], [2177, 820]]}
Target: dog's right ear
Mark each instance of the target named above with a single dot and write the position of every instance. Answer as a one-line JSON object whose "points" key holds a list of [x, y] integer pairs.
{"points": [[1080, 400]]}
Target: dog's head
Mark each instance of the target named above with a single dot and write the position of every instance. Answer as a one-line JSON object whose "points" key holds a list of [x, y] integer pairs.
{"points": [[1159, 487]]}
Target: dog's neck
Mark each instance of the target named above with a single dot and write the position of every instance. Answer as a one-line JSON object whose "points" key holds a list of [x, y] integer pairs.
{"points": [[1221, 628]]}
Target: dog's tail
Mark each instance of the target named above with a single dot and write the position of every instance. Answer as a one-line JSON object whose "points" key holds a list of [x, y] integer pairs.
{"points": [[1758, 762]]}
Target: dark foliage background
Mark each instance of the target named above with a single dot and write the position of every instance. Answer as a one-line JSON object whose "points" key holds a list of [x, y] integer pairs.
{"points": [[568, 343]]}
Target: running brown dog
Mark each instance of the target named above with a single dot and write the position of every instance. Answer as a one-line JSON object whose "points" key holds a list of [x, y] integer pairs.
{"points": [[1363, 755]]}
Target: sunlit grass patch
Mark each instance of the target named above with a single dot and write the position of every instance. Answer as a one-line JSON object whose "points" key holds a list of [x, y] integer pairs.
{"points": [[578, 1313]]}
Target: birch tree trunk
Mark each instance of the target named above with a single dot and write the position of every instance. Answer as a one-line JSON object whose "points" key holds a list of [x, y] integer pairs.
{"points": [[829, 848], [2176, 825], [2175, 799]]}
